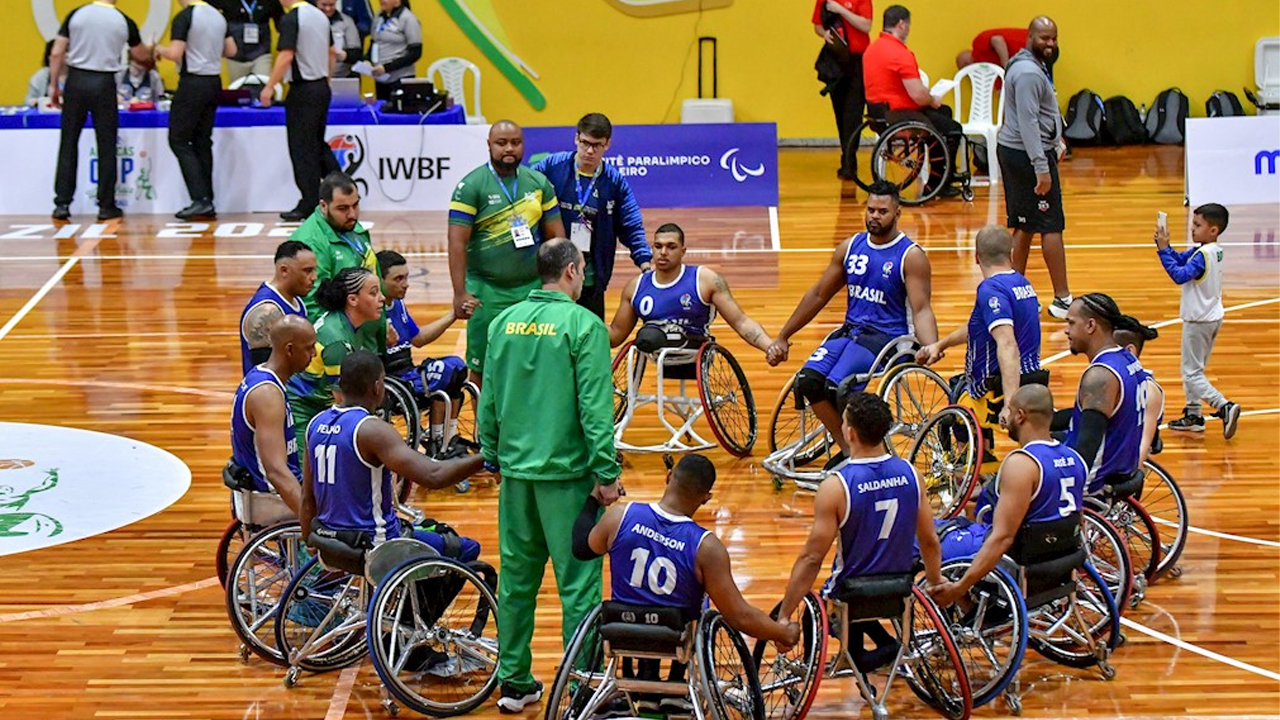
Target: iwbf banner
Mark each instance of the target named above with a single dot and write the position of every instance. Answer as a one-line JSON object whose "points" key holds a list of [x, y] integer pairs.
{"points": [[1234, 160], [683, 165]]}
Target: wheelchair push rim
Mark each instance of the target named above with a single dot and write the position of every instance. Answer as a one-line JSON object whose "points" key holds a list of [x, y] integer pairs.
{"points": [[258, 579], [1165, 503], [1058, 640], [1140, 533], [619, 368], [726, 399], [230, 545], [789, 682], [947, 455], [914, 394], [934, 669], [730, 683], [580, 671], [311, 595], [1109, 555], [991, 635], [799, 418]]}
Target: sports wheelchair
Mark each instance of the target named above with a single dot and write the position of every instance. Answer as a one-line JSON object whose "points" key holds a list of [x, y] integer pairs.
{"points": [[611, 648], [927, 657], [409, 412], [724, 396], [1045, 593], [428, 622], [904, 153], [251, 513], [797, 438]]}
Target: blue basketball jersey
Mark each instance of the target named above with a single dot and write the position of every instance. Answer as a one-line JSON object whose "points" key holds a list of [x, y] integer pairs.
{"points": [[1005, 298], [1149, 381], [878, 534], [1122, 444], [877, 284], [350, 493], [678, 302], [265, 294], [399, 357], [243, 449], [654, 559], [1058, 493]]}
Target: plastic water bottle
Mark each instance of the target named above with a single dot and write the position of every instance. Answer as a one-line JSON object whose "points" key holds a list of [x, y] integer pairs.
{"points": [[1142, 113]]}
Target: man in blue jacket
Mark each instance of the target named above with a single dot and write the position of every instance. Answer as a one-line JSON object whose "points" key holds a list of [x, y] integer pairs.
{"points": [[597, 206]]}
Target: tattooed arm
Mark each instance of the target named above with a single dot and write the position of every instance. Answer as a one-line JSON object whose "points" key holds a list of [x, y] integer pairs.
{"points": [[724, 304], [1098, 394], [256, 326]]}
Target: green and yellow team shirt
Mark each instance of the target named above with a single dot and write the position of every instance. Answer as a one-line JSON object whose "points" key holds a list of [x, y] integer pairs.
{"points": [[311, 390], [484, 205]]}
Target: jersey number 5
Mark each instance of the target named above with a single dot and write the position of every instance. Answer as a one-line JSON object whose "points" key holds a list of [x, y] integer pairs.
{"points": [[661, 574]]}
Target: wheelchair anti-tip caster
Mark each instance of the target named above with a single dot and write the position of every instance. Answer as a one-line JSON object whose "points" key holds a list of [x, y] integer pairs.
{"points": [[1014, 703], [1175, 572], [1107, 670], [291, 677], [966, 193], [242, 652], [391, 707], [1122, 640]]}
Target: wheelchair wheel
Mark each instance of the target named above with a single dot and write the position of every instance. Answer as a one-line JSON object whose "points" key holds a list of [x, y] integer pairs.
{"points": [[322, 608], [259, 576], [727, 400], [468, 423], [947, 455], [620, 381], [1109, 555], [432, 636], [860, 169], [729, 681], [914, 394], [579, 673], [789, 683], [989, 626], [1164, 502], [793, 420], [1062, 640], [401, 411], [1140, 535], [229, 546], [904, 155], [933, 667]]}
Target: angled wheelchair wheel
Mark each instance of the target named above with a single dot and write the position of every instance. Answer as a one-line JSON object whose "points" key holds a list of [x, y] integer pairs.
{"points": [[229, 546], [1077, 638], [989, 626], [401, 411], [468, 425], [1164, 502], [729, 681], [1140, 535], [432, 636], [947, 455], [322, 615], [580, 671], [726, 399], [789, 682], [794, 421], [1109, 554], [914, 393], [905, 154], [258, 579], [620, 381], [933, 666]]}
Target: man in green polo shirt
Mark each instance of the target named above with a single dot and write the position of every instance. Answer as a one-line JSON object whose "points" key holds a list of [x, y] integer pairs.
{"points": [[546, 425], [499, 213]]}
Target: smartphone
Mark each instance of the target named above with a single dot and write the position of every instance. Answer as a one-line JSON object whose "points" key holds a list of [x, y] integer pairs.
{"points": [[1162, 221]]}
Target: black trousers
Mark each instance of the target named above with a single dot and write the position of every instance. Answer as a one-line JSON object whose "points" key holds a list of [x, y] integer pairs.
{"points": [[305, 112], [592, 298], [191, 132], [848, 101], [88, 93]]}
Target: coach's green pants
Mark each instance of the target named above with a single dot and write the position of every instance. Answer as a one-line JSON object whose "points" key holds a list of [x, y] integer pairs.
{"points": [[535, 521]]}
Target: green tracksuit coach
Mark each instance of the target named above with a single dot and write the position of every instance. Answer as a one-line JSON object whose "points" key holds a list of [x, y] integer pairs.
{"points": [[546, 421]]}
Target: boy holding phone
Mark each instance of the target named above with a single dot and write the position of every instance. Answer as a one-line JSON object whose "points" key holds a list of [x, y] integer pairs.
{"points": [[1199, 272]]}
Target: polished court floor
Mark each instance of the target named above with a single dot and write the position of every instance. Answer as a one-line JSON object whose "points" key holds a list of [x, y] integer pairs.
{"points": [[130, 329]]}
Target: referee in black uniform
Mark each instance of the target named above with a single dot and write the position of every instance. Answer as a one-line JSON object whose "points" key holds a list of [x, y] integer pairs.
{"points": [[304, 56], [90, 42], [198, 40]]}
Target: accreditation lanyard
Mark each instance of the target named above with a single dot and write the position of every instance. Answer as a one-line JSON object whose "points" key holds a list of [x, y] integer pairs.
{"points": [[354, 243], [515, 185], [521, 234], [583, 196], [250, 7]]}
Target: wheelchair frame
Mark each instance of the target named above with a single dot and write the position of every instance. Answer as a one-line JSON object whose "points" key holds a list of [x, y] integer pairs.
{"points": [[882, 146]]}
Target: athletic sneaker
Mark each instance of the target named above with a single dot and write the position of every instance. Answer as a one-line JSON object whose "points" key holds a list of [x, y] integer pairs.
{"points": [[1230, 414], [514, 701], [1191, 423], [676, 707], [872, 660], [1058, 308]]}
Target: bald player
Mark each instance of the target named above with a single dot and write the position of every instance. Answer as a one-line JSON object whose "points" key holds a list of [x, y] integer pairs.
{"points": [[271, 456], [499, 214], [1041, 481]]}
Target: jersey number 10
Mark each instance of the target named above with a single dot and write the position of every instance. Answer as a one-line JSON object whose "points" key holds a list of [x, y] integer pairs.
{"points": [[660, 574]]}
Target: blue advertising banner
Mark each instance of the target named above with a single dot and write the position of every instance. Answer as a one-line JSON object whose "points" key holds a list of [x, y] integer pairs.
{"points": [[683, 165]]}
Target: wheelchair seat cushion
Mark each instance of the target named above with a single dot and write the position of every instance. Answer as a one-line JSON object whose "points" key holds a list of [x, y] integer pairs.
{"points": [[1052, 579], [874, 596], [1121, 486], [655, 336], [339, 549], [642, 628], [1040, 542]]}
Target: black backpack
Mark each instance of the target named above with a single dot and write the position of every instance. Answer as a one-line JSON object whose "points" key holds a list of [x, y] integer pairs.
{"points": [[1167, 119], [1223, 103], [1123, 123], [1085, 118]]}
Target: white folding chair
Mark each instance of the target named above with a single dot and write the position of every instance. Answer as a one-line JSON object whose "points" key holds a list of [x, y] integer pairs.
{"points": [[452, 72], [984, 104]]}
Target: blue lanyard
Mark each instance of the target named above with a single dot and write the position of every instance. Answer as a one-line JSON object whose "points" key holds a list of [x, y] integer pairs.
{"points": [[249, 7], [354, 243], [515, 185], [583, 197], [382, 25]]}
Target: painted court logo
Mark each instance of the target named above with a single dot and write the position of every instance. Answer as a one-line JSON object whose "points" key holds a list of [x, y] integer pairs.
{"points": [[60, 484]]}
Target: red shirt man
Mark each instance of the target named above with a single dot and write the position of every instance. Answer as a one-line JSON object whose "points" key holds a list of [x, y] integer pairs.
{"points": [[856, 39], [994, 46], [886, 67]]}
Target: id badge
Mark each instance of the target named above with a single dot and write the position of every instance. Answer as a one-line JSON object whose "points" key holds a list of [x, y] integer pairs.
{"points": [[250, 34], [580, 236], [520, 233]]}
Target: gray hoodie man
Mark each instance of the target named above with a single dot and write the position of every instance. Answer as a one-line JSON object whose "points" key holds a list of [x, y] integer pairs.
{"points": [[1033, 123]]}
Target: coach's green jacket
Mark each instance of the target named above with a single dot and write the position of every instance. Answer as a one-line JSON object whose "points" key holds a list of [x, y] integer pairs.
{"points": [[546, 405], [333, 253]]}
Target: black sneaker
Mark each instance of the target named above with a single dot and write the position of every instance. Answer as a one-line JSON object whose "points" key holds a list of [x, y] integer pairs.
{"points": [[1189, 423], [61, 212], [618, 707], [873, 660], [294, 215], [197, 209], [1059, 307], [1230, 414], [111, 212], [514, 701], [676, 707]]}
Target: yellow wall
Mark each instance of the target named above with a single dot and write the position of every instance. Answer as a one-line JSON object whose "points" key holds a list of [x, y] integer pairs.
{"points": [[592, 56]]}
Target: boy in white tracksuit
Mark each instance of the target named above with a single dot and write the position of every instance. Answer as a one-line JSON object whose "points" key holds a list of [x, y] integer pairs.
{"points": [[1199, 272]]}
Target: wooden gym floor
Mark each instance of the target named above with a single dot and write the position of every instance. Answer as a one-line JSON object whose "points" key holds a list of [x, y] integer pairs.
{"points": [[131, 330]]}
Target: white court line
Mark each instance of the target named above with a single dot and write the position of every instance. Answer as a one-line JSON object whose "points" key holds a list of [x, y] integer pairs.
{"points": [[774, 235], [1183, 644], [49, 285], [1222, 535], [342, 693]]}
